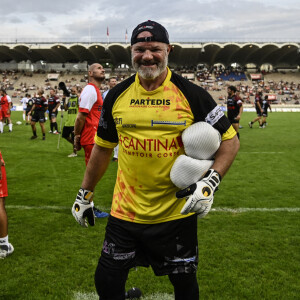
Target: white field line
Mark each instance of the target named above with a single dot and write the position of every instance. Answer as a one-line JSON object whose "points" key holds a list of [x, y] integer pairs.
{"points": [[48, 207], [260, 152], [217, 209], [260, 209], [94, 296]]}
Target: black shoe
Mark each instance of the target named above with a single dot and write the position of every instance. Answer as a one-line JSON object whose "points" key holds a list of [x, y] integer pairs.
{"points": [[44, 138], [134, 293], [33, 137]]}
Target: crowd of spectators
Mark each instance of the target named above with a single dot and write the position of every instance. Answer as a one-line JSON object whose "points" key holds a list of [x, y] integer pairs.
{"points": [[17, 83]]}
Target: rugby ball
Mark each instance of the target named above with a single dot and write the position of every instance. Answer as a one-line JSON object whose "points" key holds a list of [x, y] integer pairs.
{"points": [[186, 170], [201, 141], [19, 123]]}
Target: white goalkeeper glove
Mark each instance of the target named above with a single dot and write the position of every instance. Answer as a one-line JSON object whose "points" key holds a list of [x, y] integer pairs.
{"points": [[200, 195], [83, 209]]}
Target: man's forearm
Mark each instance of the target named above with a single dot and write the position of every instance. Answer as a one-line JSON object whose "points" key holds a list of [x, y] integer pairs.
{"points": [[79, 123], [226, 155], [56, 107], [96, 167]]}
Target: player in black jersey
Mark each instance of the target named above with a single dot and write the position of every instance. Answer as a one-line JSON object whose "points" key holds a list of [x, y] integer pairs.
{"points": [[258, 104], [53, 105], [29, 103], [265, 106], [234, 108], [38, 114]]}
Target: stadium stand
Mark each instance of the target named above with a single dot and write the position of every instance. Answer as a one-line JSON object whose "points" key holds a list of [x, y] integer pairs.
{"points": [[283, 87]]}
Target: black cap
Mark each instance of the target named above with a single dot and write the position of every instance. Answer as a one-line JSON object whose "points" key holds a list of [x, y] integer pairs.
{"points": [[160, 34]]}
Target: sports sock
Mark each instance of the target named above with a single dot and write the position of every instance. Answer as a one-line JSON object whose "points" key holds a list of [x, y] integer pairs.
{"points": [[34, 132], [4, 241], [238, 135], [10, 126], [1, 127], [23, 117], [51, 126], [55, 126], [44, 134]]}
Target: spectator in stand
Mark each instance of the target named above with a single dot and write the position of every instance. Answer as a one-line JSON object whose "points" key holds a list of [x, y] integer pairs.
{"points": [[257, 103], [5, 111], [234, 108], [53, 105], [38, 109]]}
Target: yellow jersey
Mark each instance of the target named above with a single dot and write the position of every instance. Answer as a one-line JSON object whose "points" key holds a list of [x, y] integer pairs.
{"points": [[148, 126]]}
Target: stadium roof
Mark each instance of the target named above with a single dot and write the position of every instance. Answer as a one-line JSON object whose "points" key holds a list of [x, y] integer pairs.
{"points": [[184, 54]]}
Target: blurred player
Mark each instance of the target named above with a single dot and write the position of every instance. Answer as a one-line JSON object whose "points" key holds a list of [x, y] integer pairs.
{"points": [[265, 106], [6, 248], [112, 82], [71, 107], [53, 105], [5, 111], [38, 114], [234, 108], [24, 102], [257, 103]]}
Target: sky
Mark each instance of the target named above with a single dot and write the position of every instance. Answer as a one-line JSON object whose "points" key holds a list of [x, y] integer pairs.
{"points": [[185, 20]]}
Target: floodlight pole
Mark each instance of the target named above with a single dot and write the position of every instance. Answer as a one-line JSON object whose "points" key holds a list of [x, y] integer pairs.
{"points": [[60, 126]]}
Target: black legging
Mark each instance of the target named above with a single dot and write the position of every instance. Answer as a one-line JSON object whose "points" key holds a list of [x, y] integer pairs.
{"points": [[185, 286], [110, 284]]}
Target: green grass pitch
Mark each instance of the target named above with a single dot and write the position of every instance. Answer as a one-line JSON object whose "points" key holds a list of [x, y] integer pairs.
{"points": [[244, 254]]}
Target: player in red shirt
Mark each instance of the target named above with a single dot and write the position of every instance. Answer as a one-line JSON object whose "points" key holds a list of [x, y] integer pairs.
{"points": [[5, 247], [90, 105], [5, 110], [86, 124]]}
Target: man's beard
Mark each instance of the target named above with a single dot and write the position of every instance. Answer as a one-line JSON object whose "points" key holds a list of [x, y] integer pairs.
{"points": [[149, 73], [99, 77]]}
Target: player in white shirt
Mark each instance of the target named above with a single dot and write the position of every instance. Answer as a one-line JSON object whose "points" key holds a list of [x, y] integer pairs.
{"points": [[24, 101]]}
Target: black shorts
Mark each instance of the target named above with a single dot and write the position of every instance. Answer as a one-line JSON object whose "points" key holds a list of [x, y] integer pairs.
{"points": [[68, 131], [265, 114], [38, 116], [53, 114], [169, 247], [258, 112], [233, 121]]}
